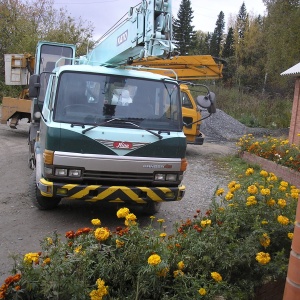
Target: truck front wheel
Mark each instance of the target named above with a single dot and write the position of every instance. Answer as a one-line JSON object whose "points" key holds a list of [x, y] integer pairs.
{"points": [[151, 208], [41, 202]]}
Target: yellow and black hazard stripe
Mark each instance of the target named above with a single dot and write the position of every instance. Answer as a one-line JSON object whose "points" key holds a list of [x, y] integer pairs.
{"points": [[117, 193]]}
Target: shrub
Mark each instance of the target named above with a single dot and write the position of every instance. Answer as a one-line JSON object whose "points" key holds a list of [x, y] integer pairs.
{"points": [[242, 242]]}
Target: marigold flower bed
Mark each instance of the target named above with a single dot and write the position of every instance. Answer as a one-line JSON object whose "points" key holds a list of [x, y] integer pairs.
{"points": [[241, 243]]}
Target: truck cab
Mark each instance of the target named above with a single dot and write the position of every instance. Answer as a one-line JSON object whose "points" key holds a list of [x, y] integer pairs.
{"points": [[108, 134]]}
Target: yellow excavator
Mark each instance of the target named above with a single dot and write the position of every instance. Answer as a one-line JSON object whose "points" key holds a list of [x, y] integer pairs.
{"points": [[18, 68]]}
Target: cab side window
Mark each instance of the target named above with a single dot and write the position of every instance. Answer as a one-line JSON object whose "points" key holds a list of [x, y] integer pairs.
{"points": [[186, 102]]}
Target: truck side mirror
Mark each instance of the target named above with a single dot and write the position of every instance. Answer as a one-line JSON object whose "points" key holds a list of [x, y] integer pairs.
{"points": [[34, 86], [208, 101]]}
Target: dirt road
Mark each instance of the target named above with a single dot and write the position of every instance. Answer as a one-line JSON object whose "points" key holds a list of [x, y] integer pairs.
{"points": [[23, 225]]}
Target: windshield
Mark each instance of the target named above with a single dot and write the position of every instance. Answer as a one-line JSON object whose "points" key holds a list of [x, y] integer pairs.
{"points": [[92, 99]]}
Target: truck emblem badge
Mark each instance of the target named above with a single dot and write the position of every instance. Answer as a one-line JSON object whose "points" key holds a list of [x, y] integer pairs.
{"points": [[122, 38], [122, 145]]}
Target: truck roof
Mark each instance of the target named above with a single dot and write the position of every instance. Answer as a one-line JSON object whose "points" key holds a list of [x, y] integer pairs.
{"points": [[113, 71]]}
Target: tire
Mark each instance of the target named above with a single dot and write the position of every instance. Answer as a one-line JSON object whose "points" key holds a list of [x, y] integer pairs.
{"points": [[151, 208], [38, 200]]}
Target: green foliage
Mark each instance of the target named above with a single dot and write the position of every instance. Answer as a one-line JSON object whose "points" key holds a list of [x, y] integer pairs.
{"points": [[183, 31], [255, 109], [282, 39], [228, 49], [242, 242], [217, 36], [23, 25]]}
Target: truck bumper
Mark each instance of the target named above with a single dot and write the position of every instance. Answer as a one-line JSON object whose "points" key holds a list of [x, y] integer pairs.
{"points": [[122, 194]]}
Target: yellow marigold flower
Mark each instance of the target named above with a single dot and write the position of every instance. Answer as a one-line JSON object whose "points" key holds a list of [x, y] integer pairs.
{"points": [[290, 235], [281, 203], [152, 217], [31, 257], [49, 240], [272, 177], [265, 240], [102, 234], [291, 158], [78, 249], [119, 243], [154, 260], [252, 189], [160, 220], [271, 202], [237, 186], [265, 192], [163, 234], [283, 220], [204, 223], [180, 265], [249, 171], [295, 195], [202, 291], [100, 292], [231, 184], [216, 276], [220, 192], [178, 273], [284, 183], [282, 188], [264, 173], [47, 261], [264, 222], [251, 200], [129, 223], [229, 196], [96, 222], [131, 217], [122, 212], [263, 258], [163, 272]]}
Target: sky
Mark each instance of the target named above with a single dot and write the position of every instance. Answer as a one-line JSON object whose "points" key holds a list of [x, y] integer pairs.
{"points": [[103, 14]]}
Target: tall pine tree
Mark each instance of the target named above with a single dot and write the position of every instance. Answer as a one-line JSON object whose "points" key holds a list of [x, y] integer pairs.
{"points": [[228, 49], [183, 31], [216, 40]]}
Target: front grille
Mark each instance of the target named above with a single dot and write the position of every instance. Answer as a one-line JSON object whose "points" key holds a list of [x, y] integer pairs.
{"points": [[98, 177]]}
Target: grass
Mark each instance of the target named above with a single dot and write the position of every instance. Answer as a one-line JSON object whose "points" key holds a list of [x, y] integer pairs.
{"points": [[252, 109], [255, 110]]}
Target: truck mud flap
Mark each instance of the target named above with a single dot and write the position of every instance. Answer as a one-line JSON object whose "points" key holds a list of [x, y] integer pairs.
{"points": [[121, 194]]}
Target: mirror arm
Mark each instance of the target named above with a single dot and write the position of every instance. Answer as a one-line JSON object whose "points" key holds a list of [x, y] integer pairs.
{"points": [[184, 124]]}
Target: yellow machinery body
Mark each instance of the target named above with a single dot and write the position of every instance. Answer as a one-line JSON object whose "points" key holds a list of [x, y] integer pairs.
{"points": [[18, 68]]}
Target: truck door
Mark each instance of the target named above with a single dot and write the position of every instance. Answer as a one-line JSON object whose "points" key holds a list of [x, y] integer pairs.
{"points": [[190, 114]]}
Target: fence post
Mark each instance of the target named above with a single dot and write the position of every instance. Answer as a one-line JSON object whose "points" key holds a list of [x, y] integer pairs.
{"points": [[292, 284]]}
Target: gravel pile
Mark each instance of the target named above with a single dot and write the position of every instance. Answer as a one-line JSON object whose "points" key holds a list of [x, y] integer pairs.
{"points": [[222, 127]]}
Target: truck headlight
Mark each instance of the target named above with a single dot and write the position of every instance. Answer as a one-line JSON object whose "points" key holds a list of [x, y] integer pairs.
{"points": [[74, 173], [61, 172], [160, 177], [171, 177]]}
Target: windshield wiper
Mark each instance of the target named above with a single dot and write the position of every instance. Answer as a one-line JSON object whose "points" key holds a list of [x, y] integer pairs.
{"points": [[97, 125], [125, 122]]}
